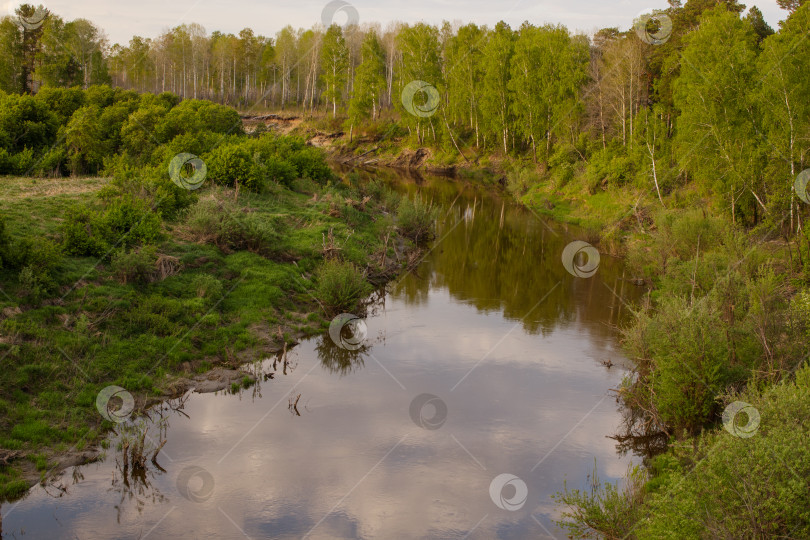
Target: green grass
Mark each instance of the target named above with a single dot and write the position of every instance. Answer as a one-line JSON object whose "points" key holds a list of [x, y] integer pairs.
{"points": [[574, 204], [34, 206], [59, 351]]}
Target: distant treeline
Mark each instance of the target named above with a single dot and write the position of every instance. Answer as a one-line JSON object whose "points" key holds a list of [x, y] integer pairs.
{"points": [[720, 78]]}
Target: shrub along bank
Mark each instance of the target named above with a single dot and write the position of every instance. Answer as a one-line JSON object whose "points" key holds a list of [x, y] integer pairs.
{"points": [[129, 279]]}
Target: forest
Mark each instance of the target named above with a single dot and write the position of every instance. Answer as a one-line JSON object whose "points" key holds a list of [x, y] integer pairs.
{"points": [[681, 143], [633, 109]]}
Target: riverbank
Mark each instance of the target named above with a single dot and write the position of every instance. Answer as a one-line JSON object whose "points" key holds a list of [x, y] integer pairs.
{"points": [[427, 331], [181, 314], [722, 330], [608, 216]]}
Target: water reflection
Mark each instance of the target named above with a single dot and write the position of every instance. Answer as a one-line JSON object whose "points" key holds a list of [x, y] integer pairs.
{"points": [[336, 443], [338, 360], [500, 257]]}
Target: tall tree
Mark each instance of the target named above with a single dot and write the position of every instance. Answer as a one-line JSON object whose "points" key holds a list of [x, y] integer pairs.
{"points": [[464, 70], [285, 59], [791, 5], [495, 97], [11, 56], [420, 61], [716, 129], [625, 83], [57, 63], [369, 84], [32, 21], [548, 69], [335, 63], [758, 23], [785, 97]]}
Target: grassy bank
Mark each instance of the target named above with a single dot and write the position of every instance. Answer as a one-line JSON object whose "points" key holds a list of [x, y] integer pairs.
{"points": [[215, 290], [125, 277], [725, 323]]}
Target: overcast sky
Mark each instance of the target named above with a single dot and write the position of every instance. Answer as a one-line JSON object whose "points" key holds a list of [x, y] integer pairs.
{"points": [[148, 18]]}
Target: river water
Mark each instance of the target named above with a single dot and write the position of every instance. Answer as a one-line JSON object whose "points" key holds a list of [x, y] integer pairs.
{"points": [[479, 391]]}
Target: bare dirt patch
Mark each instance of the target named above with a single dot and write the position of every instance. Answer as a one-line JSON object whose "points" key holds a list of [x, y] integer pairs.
{"points": [[275, 122]]}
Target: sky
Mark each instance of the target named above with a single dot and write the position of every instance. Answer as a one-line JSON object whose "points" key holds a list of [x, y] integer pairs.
{"points": [[148, 18]]}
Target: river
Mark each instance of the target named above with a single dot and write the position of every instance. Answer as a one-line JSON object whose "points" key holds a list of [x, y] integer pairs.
{"points": [[482, 386]]}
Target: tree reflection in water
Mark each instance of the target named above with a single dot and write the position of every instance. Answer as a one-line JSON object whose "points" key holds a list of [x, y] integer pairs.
{"points": [[338, 360]]}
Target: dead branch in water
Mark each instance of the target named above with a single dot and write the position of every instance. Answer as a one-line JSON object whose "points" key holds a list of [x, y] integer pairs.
{"points": [[293, 405], [157, 451]]}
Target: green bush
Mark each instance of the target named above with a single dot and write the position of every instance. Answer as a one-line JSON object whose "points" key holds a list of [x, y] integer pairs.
{"points": [[717, 319], [152, 184], [40, 253], [341, 286], [21, 163], [131, 222], [196, 142], [275, 169], [111, 120], [139, 134], [62, 101], [609, 167], [231, 228], [26, 123], [310, 163], [604, 510], [193, 115], [51, 163], [82, 234], [124, 223], [520, 179], [37, 259], [231, 164], [288, 158], [100, 95], [689, 348], [562, 175], [136, 266], [207, 286], [84, 140], [415, 219], [733, 487]]}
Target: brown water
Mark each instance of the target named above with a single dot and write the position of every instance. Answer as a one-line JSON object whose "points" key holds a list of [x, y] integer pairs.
{"points": [[509, 346]]}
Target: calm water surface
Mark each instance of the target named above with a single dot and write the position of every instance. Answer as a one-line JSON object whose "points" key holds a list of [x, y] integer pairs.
{"points": [[491, 324]]}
